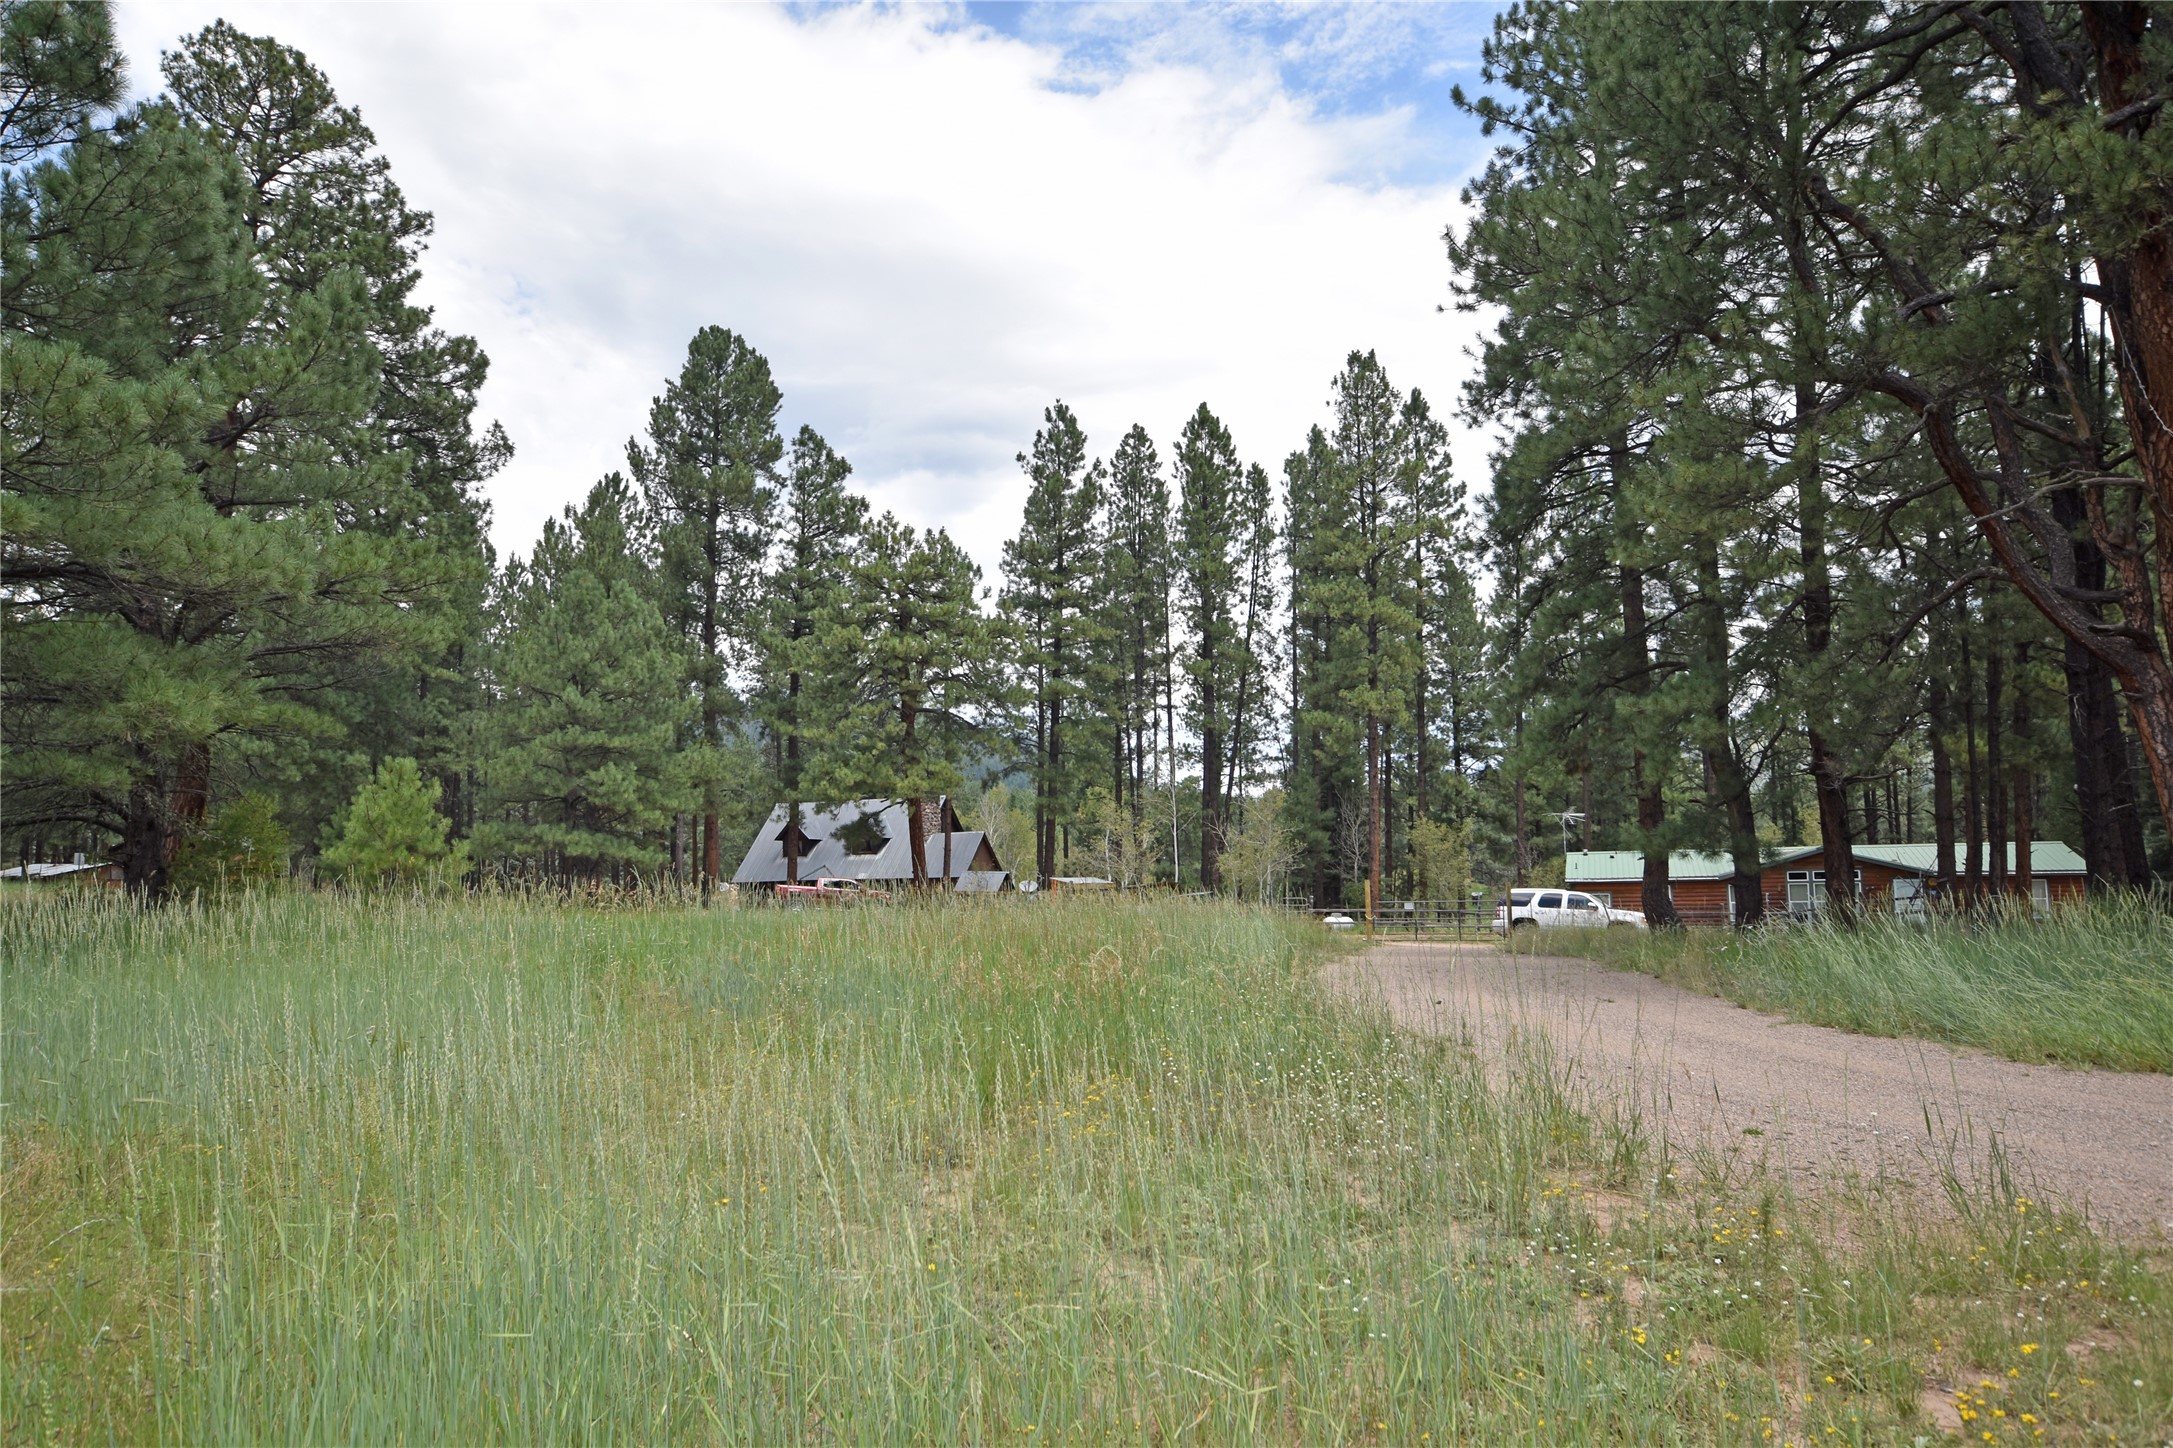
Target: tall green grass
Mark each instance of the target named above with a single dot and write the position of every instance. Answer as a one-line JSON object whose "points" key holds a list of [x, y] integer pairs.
{"points": [[303, 1169], [2087, 986]]}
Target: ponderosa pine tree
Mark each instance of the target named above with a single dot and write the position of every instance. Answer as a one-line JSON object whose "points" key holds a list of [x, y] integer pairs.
{"points": [[59, 70], [187, 457], [321, 204], [1372, 451], [1325, 740], [1049, 573], [581, 739], [808, 587], [708, 475], [1257, 643], [393, 835], [1211, 555], [1135, 588], [1884, 215], [1431, 576]]}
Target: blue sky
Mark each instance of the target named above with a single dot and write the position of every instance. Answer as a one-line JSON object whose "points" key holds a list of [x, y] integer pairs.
{"points": [[1342, 60], [933, 220]]}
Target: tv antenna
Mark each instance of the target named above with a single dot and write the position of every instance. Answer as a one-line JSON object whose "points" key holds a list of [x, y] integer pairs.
{"points": [[1567, 818]]}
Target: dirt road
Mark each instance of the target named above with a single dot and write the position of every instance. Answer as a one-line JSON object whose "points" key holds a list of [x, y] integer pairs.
{"points": [[1820, 1103]]}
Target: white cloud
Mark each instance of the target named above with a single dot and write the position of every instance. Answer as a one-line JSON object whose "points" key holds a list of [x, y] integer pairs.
{"points": [[927, 239]]}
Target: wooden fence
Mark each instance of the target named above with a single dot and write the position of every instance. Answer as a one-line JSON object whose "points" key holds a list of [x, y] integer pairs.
{"points": [[1443, 920]]}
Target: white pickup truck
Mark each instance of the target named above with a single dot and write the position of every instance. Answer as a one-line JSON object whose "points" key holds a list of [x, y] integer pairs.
{"points": [[1560, 909]]}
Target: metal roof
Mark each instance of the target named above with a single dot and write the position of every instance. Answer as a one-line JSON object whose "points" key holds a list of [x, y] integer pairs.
{"points": [[1595, 867], [2047, 857], [826, 857], [1582, 866], [50, 872]]}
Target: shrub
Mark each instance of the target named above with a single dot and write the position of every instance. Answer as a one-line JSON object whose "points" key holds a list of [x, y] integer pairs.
{"points": [[243, 844]]}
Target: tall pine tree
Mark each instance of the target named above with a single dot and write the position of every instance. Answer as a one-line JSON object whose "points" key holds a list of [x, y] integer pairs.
{"points": [[1049, 571], [581, 740], [191, 466], [709, 476]]}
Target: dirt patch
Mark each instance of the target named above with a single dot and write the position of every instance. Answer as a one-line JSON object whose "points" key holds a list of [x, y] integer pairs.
{"points": [[2100, 1340], [1731, 1086], [1937, 1406]]}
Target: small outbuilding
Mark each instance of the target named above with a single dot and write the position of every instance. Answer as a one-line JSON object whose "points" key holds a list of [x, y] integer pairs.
{"points": [[1792, 881], [79, 871], [870, 840]]}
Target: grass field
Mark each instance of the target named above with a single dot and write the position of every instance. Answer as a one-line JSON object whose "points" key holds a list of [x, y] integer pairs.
{"points": [[301, 1169], [2086, 987]]}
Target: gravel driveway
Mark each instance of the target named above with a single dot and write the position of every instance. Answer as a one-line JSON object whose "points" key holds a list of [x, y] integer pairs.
{"points": [[1823, 1104]]}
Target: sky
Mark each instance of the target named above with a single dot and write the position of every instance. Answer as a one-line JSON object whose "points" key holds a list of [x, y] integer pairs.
{"points": [[933, 220]]}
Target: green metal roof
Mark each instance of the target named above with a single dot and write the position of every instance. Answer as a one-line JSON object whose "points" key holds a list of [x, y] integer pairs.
{"points": [[1582, 866], [2047, 857], [1591, 867]]}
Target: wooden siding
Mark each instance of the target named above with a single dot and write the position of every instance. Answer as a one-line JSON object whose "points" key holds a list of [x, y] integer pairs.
{"points": [[1705, 902], [1701, 902]]}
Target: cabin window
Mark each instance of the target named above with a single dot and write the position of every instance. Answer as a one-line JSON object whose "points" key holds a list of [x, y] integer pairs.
{"points": [[2040, 895], [1807, 891]]}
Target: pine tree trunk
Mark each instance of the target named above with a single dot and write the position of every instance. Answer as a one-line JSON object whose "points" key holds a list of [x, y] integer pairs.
{"points": [[1521, 860], [1747, 888], [1654, 896], [191, 798], [712, 848], [1942, 792], [789, 770], [1833, 827], [2023, 802], [143, 835], [1118, 796], [1386, 812], [1210, 791], [1972, 793], [1995, 773], [1373, 815], [1044, 839], [2109, 813], [2136, 295], [2023, 882]]}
